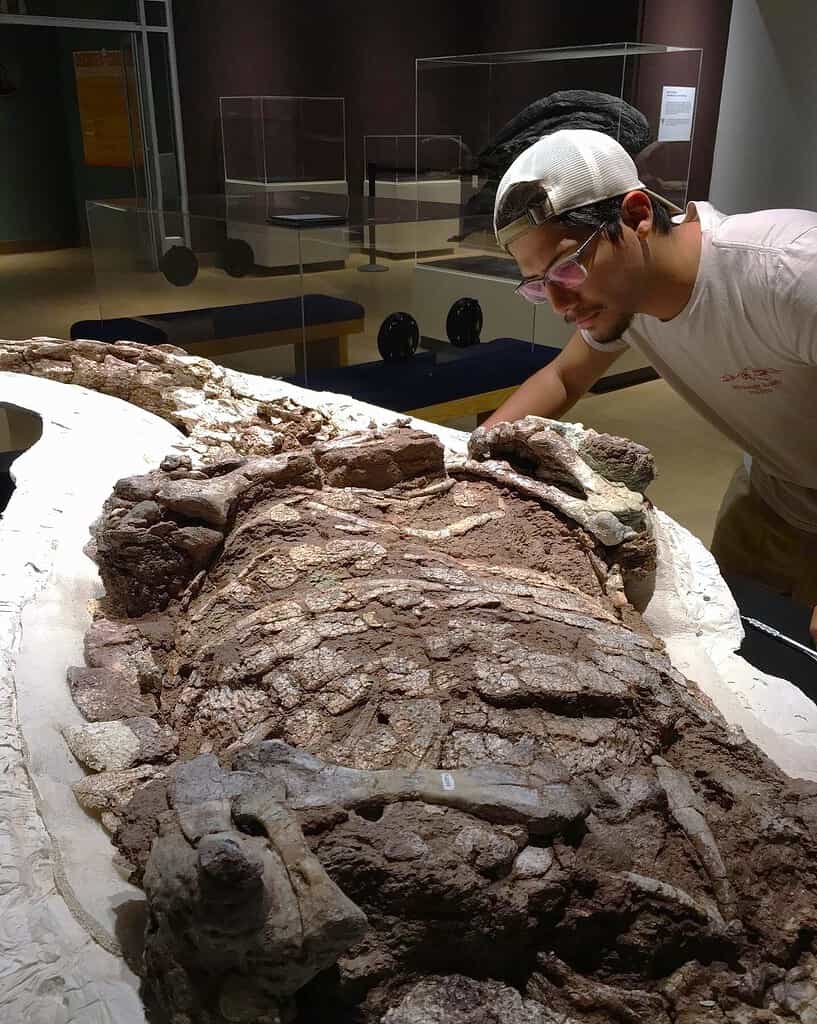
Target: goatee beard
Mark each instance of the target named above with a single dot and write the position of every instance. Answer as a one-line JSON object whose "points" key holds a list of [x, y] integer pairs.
{"points": [[614, 332]]}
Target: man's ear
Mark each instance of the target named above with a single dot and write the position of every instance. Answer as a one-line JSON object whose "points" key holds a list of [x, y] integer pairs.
{"points": [[636, 213]]}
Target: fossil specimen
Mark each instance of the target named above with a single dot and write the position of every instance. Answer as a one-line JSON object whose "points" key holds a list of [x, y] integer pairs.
{"points": [[384, 742]]}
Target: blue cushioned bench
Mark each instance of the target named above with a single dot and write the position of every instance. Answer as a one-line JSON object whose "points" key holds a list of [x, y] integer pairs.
{"points": [[221, 330], [437, 385]]}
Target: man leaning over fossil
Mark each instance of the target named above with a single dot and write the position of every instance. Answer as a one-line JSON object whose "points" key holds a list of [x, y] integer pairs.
{"points": [[724, 307]]}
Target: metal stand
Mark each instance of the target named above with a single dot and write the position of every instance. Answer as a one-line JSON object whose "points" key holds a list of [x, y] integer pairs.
{"points": [[372, 267]]}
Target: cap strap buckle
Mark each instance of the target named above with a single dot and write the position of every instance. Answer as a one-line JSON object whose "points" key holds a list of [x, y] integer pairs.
{"points": [[538, 214], [531, 218]]}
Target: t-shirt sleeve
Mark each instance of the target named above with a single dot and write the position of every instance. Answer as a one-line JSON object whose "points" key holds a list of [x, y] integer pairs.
{"points": [[795, 297], [604, 346]]}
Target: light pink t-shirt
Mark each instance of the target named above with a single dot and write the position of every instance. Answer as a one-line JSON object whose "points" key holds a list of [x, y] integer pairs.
{"points": [[743, 352]]}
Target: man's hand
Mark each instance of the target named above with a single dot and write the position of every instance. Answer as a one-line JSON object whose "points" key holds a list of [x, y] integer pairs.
{"points": [[554, 389], [813, 626]]}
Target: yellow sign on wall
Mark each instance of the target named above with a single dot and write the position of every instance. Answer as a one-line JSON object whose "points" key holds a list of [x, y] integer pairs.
{"points": [[102, 96]]}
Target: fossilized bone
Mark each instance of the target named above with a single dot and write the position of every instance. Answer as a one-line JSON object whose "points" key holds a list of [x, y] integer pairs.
{"points": [[673, 894], [608, 509], [241, 913], [212, 500], [607, 518], [542, 799], [687, 810]]}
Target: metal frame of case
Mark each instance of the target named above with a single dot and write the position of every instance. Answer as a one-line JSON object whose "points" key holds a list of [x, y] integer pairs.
{"points": [[142, 28]]}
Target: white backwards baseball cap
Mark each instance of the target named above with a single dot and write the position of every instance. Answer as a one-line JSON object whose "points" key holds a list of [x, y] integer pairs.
{"points": [[576, 167]]}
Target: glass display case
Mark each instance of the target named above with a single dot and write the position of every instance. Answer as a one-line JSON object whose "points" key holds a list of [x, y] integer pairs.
{"points": [[185, 279], [426, 336], [391, 170], [497, 104], [414, 356], [277, 142], [404, 160], [370, 336]]}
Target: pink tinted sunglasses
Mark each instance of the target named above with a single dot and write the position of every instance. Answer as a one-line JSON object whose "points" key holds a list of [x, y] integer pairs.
{"points": [[569, 273]]}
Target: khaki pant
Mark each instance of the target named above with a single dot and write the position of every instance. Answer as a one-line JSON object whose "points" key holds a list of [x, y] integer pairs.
{"points": [[752, 540]]}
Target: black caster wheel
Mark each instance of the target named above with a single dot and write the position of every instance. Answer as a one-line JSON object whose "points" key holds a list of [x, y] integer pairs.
{"points": [[179, 265], [464, 323], [238, 259], [398, 337]]}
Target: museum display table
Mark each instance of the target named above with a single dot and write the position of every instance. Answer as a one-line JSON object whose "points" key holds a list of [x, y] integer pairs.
{"points": [[76, 900]]}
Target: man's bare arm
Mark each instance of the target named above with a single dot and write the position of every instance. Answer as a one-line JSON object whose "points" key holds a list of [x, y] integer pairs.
{"points": [[554, 389]]}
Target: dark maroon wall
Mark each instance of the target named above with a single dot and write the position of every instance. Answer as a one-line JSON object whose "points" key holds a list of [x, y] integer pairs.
{"points": [[703, 23], [363, 51]]}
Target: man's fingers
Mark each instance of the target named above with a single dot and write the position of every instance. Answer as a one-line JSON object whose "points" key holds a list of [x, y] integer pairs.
{"points": [[813, 626]]}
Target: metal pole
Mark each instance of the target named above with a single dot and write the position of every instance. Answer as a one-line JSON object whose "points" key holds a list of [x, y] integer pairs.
{"points": [[101, 23], [181, 163], [372, 267]]}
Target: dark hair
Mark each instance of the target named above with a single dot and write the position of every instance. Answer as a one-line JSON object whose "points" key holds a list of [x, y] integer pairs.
{"points": [[604, 214]]}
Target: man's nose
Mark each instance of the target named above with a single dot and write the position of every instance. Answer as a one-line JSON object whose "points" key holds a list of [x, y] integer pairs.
{"points": [[562, 300]]}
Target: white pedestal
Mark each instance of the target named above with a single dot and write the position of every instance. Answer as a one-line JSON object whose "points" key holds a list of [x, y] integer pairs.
{"points": [[279, 248], [406, 239]]}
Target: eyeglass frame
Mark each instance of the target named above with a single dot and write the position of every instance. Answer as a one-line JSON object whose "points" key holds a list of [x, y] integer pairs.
{"points": [[574, 258]]}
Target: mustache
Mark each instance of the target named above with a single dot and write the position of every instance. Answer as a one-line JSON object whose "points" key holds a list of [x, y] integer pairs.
{"points": [[571, 318]]}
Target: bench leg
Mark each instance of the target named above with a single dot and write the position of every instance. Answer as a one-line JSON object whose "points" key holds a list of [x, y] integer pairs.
{"points": [[326, 354]]}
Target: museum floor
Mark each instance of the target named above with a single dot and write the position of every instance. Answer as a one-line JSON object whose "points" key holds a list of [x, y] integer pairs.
{"points": [[44, 293]]}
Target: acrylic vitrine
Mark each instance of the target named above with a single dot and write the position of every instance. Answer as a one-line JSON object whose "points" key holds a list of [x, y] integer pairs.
{"points": [[184, 278], [390, 170], [190, 278], [499, 103], [437, 356], [279, 144]]}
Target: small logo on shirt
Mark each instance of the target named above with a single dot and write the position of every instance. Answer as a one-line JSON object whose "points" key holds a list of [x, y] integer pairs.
{"points": [[757, 380]]}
